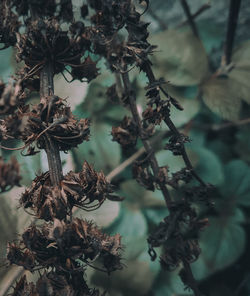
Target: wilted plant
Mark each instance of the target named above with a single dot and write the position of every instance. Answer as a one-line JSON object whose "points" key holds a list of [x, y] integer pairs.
{"points": [[49, 41]]}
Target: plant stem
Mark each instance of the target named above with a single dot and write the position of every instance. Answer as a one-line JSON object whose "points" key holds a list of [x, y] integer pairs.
{"points": [[148, 148], [189, 17], [52, 150], [173, 128], [191, 280], [200, 10], [231, 29]]}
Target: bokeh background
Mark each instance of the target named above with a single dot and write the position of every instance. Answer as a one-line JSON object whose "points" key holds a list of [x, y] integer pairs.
{"points": [[216, 117]]}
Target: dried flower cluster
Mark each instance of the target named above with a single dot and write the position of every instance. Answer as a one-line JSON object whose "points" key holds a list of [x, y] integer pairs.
{"points": [[50, 119], [62, 244], [86, 190]]}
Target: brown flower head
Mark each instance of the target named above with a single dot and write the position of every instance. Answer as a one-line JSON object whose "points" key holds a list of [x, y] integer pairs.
{"points": [[51, 119], [126, 134], [62, 245], [46, 41], [86, 190]]}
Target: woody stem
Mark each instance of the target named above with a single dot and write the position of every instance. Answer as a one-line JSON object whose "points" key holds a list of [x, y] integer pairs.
{"points": [[52, 150]]}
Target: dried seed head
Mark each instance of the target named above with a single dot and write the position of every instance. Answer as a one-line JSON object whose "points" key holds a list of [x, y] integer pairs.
{"points": [[62, 244], [86, 190], [49, 119], [143, 176], [126, 134]]}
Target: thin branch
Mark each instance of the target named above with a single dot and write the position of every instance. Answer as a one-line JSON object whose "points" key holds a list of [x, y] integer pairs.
{"points": [[200, 10], [218, 127], [121, 167], [191, 280], [125, 164], [189, 17], [173, 129], [147, 145], [231, 29]]}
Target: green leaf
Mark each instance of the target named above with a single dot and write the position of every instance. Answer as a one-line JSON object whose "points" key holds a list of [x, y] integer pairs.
{"points": [[240, 72], [100, 150], [174, 163], [222, 243], [151, 203], [209, 166], [187, 97], [222, 96], [237, 186], [6, 69], [182, 59]]}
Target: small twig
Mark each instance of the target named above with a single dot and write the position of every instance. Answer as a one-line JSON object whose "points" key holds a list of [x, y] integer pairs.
{"points": [[218, 127], [121, 167], [189, 17], [148, 148], [125, 164], [173, 128], [203, 8], [231, 29]]}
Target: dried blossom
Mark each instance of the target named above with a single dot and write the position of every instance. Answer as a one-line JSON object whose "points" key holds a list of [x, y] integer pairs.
{"points": [[54, 284], [176, 144], [143, 176], [126, 134], [86, 190], [61, 244], [178, 235], [46, 41], [183, 175], [9, 174], [51, 119]]}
